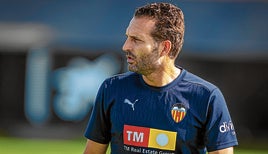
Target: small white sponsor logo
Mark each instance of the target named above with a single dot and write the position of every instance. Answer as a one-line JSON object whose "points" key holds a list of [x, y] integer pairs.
{"points": [[226, 127], [130, 103]]}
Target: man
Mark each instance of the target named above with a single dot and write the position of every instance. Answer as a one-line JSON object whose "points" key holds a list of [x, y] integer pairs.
{"points": [[158, 107]]}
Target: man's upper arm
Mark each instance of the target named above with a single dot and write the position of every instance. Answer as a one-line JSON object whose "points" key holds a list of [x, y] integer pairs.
{"points": [[223, 151], [93, 147]]}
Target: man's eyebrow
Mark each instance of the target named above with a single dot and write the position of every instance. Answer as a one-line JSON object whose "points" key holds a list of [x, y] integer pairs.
{"points": [[134, 37]]}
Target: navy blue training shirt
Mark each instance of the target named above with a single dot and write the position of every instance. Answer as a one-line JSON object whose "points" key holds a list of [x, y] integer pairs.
{"points": [[189, 115]]}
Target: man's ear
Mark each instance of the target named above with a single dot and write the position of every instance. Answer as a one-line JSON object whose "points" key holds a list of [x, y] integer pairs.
{"points": [[166, 47]]}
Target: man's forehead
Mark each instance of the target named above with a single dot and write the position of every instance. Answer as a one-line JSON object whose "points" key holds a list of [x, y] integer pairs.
{"points": [[140, 26]]}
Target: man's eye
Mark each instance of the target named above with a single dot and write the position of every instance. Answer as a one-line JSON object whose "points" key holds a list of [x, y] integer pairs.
{"points": [[135, 40]]}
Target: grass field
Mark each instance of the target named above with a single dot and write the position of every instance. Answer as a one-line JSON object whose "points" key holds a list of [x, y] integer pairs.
{"points": [[34, 146]]}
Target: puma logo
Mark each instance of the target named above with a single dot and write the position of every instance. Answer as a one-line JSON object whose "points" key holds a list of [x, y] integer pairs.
{"points": [[130, 103]]}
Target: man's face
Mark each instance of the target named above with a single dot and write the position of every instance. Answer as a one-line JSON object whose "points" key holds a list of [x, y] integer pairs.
{"points": [[141, 50]]}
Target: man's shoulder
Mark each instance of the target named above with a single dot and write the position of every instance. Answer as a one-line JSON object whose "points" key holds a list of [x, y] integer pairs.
{"points": [[198, 81], [123, 77]]}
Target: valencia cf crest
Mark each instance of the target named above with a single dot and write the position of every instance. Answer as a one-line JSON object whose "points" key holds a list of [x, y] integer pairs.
{"points": [[178, 112]]}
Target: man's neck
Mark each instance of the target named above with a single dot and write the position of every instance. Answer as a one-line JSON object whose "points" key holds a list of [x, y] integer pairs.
{"points": [[162, 77]]}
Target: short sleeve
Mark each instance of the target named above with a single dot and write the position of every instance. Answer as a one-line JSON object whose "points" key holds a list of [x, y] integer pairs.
{"points": [[98, 128], [219, 127]]}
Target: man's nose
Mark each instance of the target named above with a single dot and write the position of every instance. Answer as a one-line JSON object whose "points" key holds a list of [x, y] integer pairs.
{"points": [[127, 46]]}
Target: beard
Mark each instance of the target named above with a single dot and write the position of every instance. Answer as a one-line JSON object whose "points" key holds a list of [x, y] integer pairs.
{"points": [[145, 64]]}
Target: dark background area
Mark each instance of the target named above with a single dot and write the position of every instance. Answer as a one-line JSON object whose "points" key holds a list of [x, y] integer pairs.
{"points": [[226, 43]]}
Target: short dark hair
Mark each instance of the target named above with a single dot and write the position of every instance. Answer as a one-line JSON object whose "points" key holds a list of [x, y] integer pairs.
{"points": [[169, 24]]}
